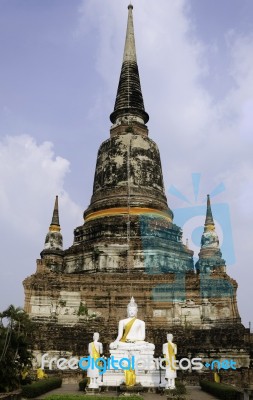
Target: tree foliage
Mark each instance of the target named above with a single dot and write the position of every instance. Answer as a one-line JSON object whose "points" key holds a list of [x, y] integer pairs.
{"points": [[15, 327]]}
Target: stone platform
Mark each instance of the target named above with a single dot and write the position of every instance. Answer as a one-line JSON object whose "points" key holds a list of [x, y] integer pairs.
{"points": [[194, 393], [148, 379]]}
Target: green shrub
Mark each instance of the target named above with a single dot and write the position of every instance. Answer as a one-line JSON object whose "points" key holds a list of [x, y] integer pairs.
{"points": [[177, 393], [223, 392], [83, 310], [41, 387], [131, 389], [82, 384], [180, 387]]}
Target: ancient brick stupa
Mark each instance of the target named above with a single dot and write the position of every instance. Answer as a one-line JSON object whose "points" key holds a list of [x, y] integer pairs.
{"points": [[129, 246]]}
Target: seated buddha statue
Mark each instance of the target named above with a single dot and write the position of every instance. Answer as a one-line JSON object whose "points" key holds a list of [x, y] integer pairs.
{"points": [[131, 332]]}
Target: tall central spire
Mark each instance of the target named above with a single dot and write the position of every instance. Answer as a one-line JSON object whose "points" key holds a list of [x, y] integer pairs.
{"points": [[129, 105], [129, 50]]}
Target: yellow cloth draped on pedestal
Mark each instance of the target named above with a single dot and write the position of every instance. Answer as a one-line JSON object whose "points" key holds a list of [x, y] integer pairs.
{"points": [[127, 329], [130, 377]]}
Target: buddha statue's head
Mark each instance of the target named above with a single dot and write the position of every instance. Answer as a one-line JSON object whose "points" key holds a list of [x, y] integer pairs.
{"points": [[169, 337], [96, 336], [132, 308]]}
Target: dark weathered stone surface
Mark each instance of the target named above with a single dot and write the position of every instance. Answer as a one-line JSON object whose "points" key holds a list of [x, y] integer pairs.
{"points": [[128, 165], [129, 100]]}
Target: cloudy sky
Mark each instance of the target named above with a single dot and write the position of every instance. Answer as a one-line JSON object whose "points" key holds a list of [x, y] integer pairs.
{"points": [[60, 65]]}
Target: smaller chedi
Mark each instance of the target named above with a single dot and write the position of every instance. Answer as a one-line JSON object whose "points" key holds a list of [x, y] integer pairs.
{"points": [[210, 256], [54, 237]]}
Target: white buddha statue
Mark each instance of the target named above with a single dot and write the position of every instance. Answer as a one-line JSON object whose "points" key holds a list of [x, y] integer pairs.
{"points": [[131, 332]]}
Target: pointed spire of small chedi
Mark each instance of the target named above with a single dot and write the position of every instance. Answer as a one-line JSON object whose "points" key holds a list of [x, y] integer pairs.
{"points": [[53, 248], [129, 105], [55, 224], [54, 237], [210, 256]]}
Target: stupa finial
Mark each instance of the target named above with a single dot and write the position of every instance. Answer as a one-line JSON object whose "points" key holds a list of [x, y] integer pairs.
{"points": [[209, 222], [129, 105], [55, 224], [129, 50]]}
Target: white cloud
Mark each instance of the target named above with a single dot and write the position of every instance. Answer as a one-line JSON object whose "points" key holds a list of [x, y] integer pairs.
{"points": [[30, 175], [241, 98], [33, 175]]}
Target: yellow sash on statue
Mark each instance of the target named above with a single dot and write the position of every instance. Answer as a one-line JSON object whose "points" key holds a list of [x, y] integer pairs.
{"points": [[95, 353], [172, 356], [127, 329]]}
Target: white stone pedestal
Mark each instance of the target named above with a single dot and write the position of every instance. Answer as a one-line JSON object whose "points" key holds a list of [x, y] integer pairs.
{"points": [[148, 379], [146, 372]]}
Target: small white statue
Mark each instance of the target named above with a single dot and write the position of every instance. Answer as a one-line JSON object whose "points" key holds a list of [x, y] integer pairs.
{"points": [[95, 350], [170, 351]]}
